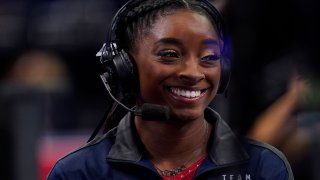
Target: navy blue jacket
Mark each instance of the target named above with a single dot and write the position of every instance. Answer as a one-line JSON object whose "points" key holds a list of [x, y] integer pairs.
{"points": [[119, 155]]}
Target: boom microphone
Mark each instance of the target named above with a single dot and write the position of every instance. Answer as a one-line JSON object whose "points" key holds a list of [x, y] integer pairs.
{"points": [[154, 112]]}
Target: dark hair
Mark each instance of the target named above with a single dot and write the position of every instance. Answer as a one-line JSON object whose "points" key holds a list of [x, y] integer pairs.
{"points": [[140, 15]]}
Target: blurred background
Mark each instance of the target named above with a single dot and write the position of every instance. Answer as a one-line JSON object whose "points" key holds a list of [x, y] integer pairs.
{"points": [[51, 97]]}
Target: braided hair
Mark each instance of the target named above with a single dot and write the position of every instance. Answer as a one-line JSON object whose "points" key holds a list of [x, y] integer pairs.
{"points": [[140, 16]]}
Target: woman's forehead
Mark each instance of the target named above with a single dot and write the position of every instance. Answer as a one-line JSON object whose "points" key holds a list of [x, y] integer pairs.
{"points": [[182, 21]]}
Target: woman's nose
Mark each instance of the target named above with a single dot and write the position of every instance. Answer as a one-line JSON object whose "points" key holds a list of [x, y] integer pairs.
{"points": [[190, 72]]}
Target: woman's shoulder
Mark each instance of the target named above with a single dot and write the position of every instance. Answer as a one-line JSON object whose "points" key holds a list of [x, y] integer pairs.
{"points": [[262, 150], [90, 157], [97, 146], [265, 157]]}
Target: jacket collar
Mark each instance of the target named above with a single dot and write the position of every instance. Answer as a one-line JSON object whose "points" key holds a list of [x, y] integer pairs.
{"points": [[224, 149], [225, 146]]}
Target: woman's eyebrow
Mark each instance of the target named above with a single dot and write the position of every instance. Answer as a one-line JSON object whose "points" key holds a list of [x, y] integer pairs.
{"points": [[208, 42], [169, 41], [211, 42]]}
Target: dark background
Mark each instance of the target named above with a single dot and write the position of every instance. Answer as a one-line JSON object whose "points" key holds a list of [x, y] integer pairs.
{"points": [[270, 39]]}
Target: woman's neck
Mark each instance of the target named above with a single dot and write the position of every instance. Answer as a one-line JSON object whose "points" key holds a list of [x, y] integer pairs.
{"points": [[171, 145]]}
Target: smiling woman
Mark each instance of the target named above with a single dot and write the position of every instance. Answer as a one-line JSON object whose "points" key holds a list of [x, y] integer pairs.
{"points": [[168, 53]]}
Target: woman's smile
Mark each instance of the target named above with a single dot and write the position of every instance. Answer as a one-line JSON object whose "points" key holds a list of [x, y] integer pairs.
{"points": [[186, 95]]}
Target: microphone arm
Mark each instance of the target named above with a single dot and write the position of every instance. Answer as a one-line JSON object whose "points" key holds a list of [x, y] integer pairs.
{"points": [[106, 85], [148, 112]]}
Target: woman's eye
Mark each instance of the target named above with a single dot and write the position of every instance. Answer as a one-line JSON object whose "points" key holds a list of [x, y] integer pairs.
{"points": [[168, 54], [210, 58]]}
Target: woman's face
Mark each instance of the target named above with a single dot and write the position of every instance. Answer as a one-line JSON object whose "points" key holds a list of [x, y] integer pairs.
{"points": [[178, 63]]}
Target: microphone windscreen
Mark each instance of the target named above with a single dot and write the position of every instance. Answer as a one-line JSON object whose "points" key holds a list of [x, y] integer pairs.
{"points": [[155, 112]]}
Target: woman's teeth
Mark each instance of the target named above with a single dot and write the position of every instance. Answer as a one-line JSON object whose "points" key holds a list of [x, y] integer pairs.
{"points": [[185, 93]]}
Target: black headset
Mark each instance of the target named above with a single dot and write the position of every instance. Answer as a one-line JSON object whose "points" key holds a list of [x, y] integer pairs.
{"points": [[119, 68]]}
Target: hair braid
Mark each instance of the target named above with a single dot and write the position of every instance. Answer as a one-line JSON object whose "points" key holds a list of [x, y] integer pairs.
{"points": [[139, 19]]}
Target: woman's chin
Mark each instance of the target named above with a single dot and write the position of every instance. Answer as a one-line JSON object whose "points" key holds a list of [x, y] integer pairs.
{"points": [[187, 115]]}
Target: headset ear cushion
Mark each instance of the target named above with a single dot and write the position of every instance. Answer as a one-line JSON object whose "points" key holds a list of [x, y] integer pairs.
{"points": [[225, 75], [126, 72]]}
